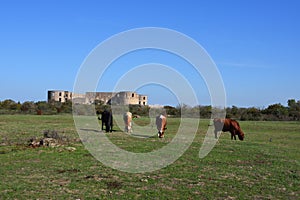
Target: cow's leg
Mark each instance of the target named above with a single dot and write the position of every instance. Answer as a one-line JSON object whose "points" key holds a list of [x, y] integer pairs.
{"points": [[232, 135], [216, 134], [107, 127], [128, 128]]}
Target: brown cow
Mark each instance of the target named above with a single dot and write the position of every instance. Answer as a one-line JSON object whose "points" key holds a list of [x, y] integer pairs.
{"points": [[228, 125], [161, 123]]}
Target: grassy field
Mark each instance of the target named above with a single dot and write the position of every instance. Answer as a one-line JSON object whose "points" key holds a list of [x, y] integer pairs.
{"points": [[264, 166]]}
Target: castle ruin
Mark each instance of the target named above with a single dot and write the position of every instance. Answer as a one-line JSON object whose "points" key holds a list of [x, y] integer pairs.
{"points": [[115, 98]]}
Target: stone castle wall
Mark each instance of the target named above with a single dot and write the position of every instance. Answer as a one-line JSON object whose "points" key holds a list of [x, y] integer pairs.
{"points": [[116, 98]]}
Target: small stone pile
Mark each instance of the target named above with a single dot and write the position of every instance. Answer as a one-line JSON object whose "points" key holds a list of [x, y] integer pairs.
{"points": [[51, 139]]}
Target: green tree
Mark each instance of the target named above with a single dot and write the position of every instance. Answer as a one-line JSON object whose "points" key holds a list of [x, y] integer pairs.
{"points": [[9, 106], [42, 107], [276, 112], [171, 111], [253, 114], [205, 112], [28, 107], [66, 107], [294, 109]]}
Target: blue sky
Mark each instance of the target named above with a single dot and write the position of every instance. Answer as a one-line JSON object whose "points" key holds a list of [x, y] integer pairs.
{"points": [[255, 45]]}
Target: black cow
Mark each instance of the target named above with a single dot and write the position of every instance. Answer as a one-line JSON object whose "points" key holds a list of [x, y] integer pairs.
{"points": [[107, 120]]}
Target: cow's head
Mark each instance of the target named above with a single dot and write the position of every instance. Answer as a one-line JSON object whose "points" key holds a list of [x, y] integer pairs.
{"points": [[241, 135]]}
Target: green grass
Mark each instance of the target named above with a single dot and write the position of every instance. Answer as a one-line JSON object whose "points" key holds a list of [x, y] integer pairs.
{"points": [[264, 166]]}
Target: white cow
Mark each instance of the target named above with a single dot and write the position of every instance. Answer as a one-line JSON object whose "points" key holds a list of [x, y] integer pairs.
{"points": [[127, 117]]}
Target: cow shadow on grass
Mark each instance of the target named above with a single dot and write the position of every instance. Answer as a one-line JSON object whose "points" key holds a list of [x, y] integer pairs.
{"points": [[90, 130], [139, 136], [143, 136], [96, 131], [119, 131]]}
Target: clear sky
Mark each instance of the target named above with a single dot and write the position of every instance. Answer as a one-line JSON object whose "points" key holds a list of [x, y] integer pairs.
{"points": [[255, 44]]}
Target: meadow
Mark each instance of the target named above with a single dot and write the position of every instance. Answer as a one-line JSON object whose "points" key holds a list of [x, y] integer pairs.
{"points": [[266, 165]]}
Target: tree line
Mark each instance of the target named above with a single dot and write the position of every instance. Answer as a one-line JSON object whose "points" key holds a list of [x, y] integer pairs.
{"points": [[9, 106], [274, 112]]}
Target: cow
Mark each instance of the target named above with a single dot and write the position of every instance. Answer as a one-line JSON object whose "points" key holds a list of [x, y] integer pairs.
{"points": [[228, 125], [127, 117], [107, 120], [161, 124]]}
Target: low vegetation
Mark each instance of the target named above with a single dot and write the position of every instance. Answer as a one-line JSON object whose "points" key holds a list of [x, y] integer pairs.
{"points": [[274, 112], [264, 166]]}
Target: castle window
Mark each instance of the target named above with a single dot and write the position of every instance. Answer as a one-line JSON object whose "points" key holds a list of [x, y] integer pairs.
{"points": [[139, 102], [144, 98], [132, 95], [60, 94], [59, 99]]}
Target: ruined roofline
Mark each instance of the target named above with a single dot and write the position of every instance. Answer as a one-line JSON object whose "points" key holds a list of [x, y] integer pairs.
{"points": [[121, 98]]}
